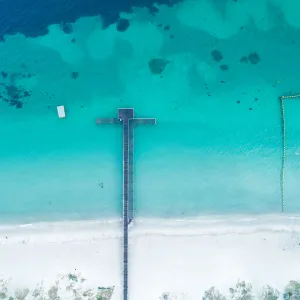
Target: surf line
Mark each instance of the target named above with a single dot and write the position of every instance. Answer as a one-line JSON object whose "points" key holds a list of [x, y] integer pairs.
{"points": [[127, 119]]}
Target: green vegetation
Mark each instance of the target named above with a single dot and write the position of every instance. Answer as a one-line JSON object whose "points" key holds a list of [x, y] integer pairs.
{"points": [[66, 287], [213, 294], [269, 293], [74, 287], [243, 291], [292, 291]]}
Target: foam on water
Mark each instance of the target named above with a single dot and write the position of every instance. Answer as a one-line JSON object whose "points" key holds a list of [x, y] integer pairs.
{"points": [[112, 228]]}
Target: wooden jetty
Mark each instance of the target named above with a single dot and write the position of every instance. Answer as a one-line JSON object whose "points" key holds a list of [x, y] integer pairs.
{"points": [[127, 119]]}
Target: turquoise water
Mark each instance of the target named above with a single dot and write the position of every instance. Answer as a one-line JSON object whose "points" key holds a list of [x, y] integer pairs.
{"points": [[217, 145]]}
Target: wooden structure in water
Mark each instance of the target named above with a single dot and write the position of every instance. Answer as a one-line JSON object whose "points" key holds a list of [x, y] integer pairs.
{"points": [[127, 119]]}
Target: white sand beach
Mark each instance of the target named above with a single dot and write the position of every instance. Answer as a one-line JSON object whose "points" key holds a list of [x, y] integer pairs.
{"points": [[184, 258]]}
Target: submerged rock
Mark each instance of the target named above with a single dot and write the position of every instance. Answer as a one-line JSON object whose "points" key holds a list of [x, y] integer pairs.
{"points": [[4, 74], [224, 67], [74, 75], [157, 65], [254, 58], [122, 25], [66, 27], [216, 55], [14, 95], [244, 59]]}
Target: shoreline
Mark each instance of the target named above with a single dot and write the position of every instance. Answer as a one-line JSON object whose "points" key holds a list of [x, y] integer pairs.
{"points": [[209, 224], [173, 256], [112, 229]]}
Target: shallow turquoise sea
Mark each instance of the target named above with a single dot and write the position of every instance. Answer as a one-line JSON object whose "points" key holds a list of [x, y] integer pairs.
{"points": [[217, 147]]}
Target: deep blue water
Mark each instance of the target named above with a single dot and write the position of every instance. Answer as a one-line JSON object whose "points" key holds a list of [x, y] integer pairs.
{"points": [[32, 17]]}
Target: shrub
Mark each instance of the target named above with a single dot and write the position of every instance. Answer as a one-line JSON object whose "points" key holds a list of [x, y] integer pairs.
{"points": [[269, 293], [213, 294], [241, 291], [292, 291]]}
